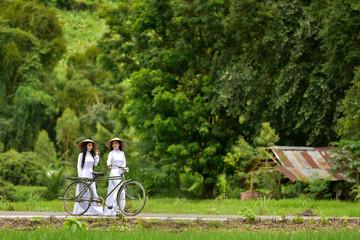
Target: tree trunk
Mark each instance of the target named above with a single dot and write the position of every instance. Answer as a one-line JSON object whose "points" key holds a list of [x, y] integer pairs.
{"points": [[338, 192], [208, 190]]}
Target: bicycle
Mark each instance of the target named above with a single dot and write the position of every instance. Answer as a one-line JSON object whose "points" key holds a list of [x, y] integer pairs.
{"points": [[80, 192]]}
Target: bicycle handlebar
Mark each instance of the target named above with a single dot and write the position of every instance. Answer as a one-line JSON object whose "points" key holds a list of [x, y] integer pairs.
{"points": [[125, 169]]}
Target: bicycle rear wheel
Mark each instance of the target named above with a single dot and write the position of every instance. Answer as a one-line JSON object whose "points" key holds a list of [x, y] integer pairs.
{"points": [[77, 198], [131, 198]]}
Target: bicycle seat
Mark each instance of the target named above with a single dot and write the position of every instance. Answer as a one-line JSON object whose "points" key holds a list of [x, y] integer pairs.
{"points": [[97, 174]]}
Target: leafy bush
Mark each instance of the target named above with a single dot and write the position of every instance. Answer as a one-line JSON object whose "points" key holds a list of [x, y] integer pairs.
{"points": [[54, 181], [20, 168], [191, 184], [6, 189], [291, 190], [235, 192], [356, 192], [267, 182], [318, 189]]}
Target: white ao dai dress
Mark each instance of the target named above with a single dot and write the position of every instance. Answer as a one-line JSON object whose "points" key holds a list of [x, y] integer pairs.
{"points": [[86, 172], [115, 158]]}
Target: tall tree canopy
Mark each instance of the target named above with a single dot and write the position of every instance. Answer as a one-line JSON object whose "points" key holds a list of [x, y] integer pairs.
{"points": [[204, 72], [30, 45]]}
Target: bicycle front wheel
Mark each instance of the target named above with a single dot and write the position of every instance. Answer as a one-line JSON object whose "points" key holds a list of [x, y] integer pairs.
{"points": [[77, 198], [131, 198]]}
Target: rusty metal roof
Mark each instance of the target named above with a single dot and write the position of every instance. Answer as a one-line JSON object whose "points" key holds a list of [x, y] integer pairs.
{"points": [[305, 163]]}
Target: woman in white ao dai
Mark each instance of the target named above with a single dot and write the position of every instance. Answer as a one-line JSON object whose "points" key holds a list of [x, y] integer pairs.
{"points": [[115, 160], [85, 170]]}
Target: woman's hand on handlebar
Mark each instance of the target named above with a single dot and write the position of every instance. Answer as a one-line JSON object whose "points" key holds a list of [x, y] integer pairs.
{"points": [[125, 169]]}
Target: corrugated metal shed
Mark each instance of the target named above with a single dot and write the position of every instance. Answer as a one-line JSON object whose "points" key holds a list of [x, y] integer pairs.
{"points": [[304, 163]]}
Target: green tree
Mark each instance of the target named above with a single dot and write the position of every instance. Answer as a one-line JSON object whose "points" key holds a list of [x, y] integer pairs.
{"points": [[167, 101], [175, 52], [31, 44], [1, 146], [67, 129], [267, 136], [77, 94], [88, 83], [247, 164], [41, 22], [34, 110], [102, 135], [97, 114], [346, 160], [45, 148], [348, 126], [230, 66]]}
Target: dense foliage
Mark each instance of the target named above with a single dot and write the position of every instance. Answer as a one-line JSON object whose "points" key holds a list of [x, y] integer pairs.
{"points": [[194, 87], [20, 168]]}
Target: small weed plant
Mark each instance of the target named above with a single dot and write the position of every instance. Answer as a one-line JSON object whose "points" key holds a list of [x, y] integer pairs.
{"points": [[5, 204], [126, 226], [33, 200], [298, 219], [249, 214], [75, 224], [120, 216], [282, 214], [262, 204], [306, 204], [38, 219], [323, 220]]}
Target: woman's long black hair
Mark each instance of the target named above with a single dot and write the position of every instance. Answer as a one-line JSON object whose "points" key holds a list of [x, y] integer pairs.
{"points": [[120, 147], [84, 150]]}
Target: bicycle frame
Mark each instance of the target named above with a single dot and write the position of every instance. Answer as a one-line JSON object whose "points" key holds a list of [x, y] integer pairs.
{"points": [[90, 181]]}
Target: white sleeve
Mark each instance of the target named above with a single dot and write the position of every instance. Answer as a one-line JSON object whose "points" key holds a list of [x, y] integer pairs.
{"points": [[108, 162], [96, 160], [79, 169], [124, 160]]}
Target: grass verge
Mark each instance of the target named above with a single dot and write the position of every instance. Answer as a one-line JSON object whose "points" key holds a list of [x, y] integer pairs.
{"points": [[328, 208], [149, 235]]}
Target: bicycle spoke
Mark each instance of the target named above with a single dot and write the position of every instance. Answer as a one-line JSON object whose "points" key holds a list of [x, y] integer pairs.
{"points": [[132, 198], [77, 198]]}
